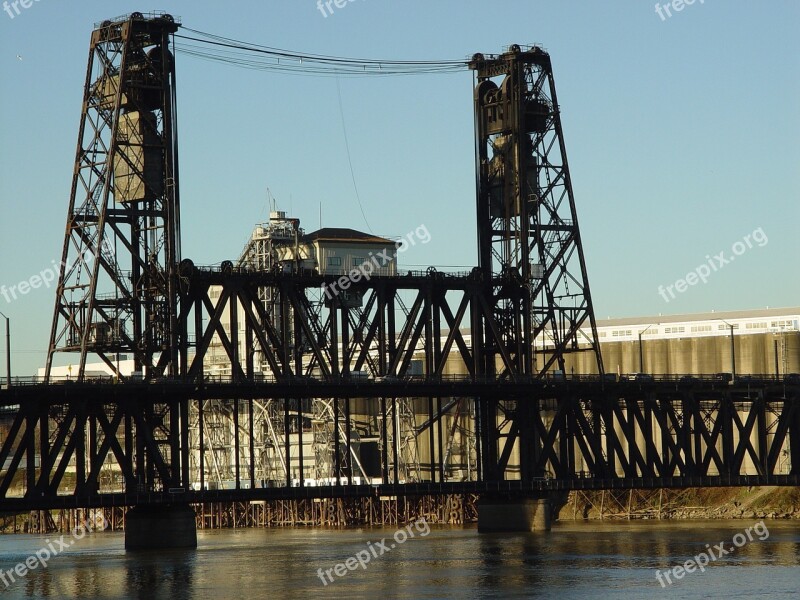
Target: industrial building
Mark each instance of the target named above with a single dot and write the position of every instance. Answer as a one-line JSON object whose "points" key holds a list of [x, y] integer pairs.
{"points": [[760, 341], [281, 245]]}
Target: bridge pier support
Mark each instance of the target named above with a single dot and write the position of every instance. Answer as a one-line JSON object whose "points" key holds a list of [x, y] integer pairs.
{"points": [[160, 527], [513, 514]]}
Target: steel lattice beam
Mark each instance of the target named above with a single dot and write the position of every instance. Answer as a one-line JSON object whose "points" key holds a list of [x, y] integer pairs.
{"points": [[583, 435]]}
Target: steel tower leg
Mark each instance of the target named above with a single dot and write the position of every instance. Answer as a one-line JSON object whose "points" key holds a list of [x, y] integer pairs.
{"points": [[117, 289], [536, 300], [530, 251]]}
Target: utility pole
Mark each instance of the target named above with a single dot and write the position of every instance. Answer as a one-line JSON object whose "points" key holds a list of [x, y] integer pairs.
{"points": [[733, 349], [8, 351], [641, 352]]}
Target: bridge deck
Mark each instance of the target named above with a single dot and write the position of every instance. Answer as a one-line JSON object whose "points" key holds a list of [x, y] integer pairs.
{"points": [[503, 488], [562, 434]]}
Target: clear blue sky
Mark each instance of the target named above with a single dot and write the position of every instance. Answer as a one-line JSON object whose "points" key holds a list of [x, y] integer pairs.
{"points": [[683, 137]]}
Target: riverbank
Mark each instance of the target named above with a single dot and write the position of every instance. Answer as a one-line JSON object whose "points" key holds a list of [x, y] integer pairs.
{"points": [[665, 504], [693, 503]]}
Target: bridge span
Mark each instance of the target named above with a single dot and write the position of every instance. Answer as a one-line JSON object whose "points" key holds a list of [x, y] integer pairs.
{"points": [[549, 436]]}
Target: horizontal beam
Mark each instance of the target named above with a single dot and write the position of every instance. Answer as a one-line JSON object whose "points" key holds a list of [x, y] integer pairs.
{"points": [[402, 490], [344, 387]]}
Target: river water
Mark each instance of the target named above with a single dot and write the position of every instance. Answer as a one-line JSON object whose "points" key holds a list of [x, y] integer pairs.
{"points": [[575, 560]]}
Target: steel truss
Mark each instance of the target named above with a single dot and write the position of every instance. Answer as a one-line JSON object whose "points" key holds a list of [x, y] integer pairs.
{"points": [[311, 366], [116, 289], [585, 435], [529, 245]]}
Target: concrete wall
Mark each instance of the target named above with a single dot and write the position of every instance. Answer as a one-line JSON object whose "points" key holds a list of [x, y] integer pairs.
{"points": [[755, 353]]}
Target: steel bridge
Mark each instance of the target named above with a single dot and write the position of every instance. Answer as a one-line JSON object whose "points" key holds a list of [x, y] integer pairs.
{"points": [[574, 434], [527, 427]]}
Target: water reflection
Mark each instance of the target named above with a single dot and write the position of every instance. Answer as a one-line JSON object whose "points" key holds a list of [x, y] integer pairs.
{"points": [[575, 560], [161, 574]]}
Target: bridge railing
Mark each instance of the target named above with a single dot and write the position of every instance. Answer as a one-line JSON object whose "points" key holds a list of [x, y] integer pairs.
{"points": [[361, 378]]}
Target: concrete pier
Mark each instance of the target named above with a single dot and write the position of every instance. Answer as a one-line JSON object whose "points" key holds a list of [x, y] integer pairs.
{"points": [[160, 527], [513, 514]]}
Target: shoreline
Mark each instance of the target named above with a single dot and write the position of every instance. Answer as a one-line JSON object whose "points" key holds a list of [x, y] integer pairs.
{"points": [[773, 503], [768, 502]]}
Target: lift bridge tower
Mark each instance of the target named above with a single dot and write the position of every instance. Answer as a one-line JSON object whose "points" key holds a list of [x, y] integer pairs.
{"points": [[537, 308], [529, 244], [117, 289]]}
